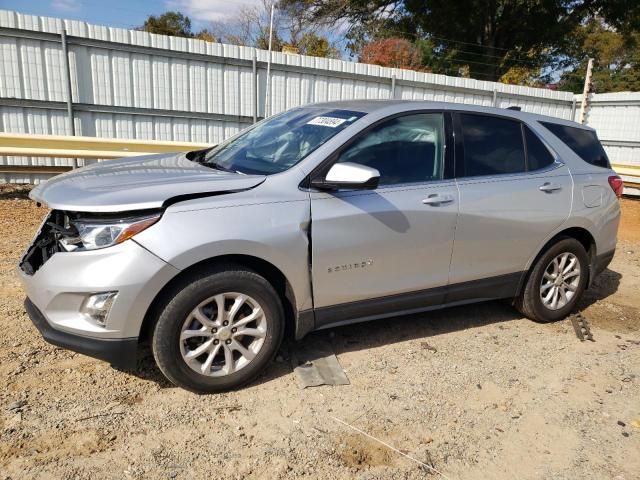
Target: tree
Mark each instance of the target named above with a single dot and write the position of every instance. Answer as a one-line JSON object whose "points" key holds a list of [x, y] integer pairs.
{"points": [[206, 35], [616, 59], [174, 24], [169, 23], [250, 27], [487, 37], [316, 46], [391, 52]]}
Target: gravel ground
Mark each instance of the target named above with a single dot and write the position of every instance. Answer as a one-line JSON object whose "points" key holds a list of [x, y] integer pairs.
{"points": [[475, 392]]}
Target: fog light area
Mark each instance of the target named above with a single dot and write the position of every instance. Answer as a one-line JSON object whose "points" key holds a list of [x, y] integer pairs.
{"points": [[96, 307]]}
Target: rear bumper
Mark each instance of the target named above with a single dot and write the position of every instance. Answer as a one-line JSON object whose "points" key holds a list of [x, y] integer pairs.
{"points": [[601, 262], [121, 352]]}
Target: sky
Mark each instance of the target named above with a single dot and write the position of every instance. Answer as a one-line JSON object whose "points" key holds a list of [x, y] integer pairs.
{"points": [[128, 13]]}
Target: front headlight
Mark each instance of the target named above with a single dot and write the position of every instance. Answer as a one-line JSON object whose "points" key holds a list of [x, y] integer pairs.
{"points": [[101, 233]]}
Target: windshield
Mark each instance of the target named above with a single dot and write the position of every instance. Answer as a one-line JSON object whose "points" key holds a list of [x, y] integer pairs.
{"points": [[279, 142]]}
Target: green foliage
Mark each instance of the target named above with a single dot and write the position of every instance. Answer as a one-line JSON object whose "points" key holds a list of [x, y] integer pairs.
{"points": [[174, 24], [169, 23], [616, 59], [527, 42], [317, 46]]}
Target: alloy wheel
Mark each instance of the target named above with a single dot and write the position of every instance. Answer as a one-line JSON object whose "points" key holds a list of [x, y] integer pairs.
{"points": [[560, 281], [223, 334]]}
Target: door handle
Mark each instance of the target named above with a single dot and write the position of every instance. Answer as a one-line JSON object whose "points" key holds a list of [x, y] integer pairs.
{"points": [[549, 187], [435, 199]]}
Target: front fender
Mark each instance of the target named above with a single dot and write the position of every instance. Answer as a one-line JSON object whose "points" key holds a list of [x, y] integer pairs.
{"points": [[274, 232]]}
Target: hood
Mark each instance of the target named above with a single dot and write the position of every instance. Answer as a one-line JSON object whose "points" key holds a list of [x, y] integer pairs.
{"points": [[138, 183]]}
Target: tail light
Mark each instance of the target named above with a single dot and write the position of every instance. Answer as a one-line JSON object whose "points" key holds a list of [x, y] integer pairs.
{"points": [[617, 185]]}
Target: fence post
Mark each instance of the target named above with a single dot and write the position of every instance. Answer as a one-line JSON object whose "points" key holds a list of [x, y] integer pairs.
{"points": [[495, 97], [68, 92], [393, 86], [254, 90], [584, 106]]}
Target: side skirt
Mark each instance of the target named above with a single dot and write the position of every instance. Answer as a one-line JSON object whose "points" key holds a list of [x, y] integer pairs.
{"points": [[493, 288]]}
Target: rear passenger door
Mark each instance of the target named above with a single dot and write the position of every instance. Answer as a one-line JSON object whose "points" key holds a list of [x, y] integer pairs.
{"points": [[513, 194]]}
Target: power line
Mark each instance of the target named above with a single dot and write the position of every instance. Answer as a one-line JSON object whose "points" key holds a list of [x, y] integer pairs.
{"points": [[469, 43], [479, 63], [498, 57]]}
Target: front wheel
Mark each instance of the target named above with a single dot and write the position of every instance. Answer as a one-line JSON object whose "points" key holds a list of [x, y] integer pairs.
{"points": [[556, 282], [219, 331]]}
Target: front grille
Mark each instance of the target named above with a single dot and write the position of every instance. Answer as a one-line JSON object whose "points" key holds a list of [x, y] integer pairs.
{"points": [[46, 242]]}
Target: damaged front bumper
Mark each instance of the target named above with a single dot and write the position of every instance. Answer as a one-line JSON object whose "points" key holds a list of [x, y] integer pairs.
{"points": [[59, 283], [121, 353]]}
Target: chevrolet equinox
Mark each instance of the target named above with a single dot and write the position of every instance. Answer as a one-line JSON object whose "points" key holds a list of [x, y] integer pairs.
{"points": [[320, 216]]}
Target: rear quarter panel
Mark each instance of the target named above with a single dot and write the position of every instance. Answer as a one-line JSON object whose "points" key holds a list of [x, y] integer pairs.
{"points": [[596, 206]]}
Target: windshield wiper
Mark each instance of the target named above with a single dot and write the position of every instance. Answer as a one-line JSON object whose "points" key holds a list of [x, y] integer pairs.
{"points": [[217, 166]]}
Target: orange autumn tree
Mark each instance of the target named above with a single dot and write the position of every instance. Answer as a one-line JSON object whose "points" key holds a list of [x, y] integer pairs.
{"points": [[391, 52]]}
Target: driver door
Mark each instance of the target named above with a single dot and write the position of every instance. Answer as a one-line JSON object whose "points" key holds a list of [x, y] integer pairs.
{"points": [[382, 251]]}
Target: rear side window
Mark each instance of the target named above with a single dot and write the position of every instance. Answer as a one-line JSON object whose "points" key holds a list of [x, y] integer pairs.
{"points": [[538, 156], [584, 143], [492, 145]]}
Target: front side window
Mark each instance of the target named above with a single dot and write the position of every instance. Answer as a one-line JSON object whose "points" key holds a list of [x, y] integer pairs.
{"points": [[492, 145], [278, 143], [405, 149]]}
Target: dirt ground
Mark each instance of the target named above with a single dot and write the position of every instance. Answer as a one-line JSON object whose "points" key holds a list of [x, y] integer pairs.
{"points": [[476, 392]]}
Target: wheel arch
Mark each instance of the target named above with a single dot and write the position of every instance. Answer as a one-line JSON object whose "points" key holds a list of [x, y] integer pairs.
{"points": [[269, 271], [578, 233]]}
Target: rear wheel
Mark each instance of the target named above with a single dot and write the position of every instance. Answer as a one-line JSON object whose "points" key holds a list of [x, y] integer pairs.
{"points": [[219, 331], [556, 282]]}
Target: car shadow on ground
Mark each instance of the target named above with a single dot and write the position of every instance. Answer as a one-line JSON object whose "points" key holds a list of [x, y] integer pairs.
{"points": [[15, 192], [604, 285], [369, 335]]}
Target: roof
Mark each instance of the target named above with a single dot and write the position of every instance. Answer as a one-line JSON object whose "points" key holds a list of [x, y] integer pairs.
{"points": [[394, 106]]}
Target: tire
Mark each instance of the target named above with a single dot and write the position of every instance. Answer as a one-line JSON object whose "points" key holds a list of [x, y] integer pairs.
{"points": [[190, 320], [530, 302]]}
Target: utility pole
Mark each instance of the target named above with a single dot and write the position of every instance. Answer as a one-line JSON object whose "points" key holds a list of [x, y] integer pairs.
{"points": [[267, 97], [68, 91], [585, 92]]}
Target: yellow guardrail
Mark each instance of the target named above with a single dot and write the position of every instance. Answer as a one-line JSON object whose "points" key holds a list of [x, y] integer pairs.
{"points": [[630, 175], [26, 145], [626, 169]]}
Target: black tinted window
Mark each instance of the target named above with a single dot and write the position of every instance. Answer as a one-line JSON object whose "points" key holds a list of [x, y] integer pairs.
{"points": [[406, 149], [537, 154], [583, 142], [492, 145]]}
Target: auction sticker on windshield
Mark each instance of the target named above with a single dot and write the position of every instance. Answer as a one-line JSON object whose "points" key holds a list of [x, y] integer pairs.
{"points": [[332, 122]]}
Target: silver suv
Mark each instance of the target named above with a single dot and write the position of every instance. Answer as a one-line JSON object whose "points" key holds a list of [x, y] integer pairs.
{"points": [[320, 216]]}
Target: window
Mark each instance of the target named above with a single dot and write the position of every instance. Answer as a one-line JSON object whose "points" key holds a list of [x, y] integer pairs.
{"points": [[492, 145], [281, 141], [538, 156], [405, 149], [583, 142]]}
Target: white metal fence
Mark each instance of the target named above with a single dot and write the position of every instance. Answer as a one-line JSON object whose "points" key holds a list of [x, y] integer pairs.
{"points": [[132, 84], [616, 117]]}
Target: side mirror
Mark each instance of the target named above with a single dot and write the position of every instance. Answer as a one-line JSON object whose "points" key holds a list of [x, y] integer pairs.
{"points": [[350, 176]]}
